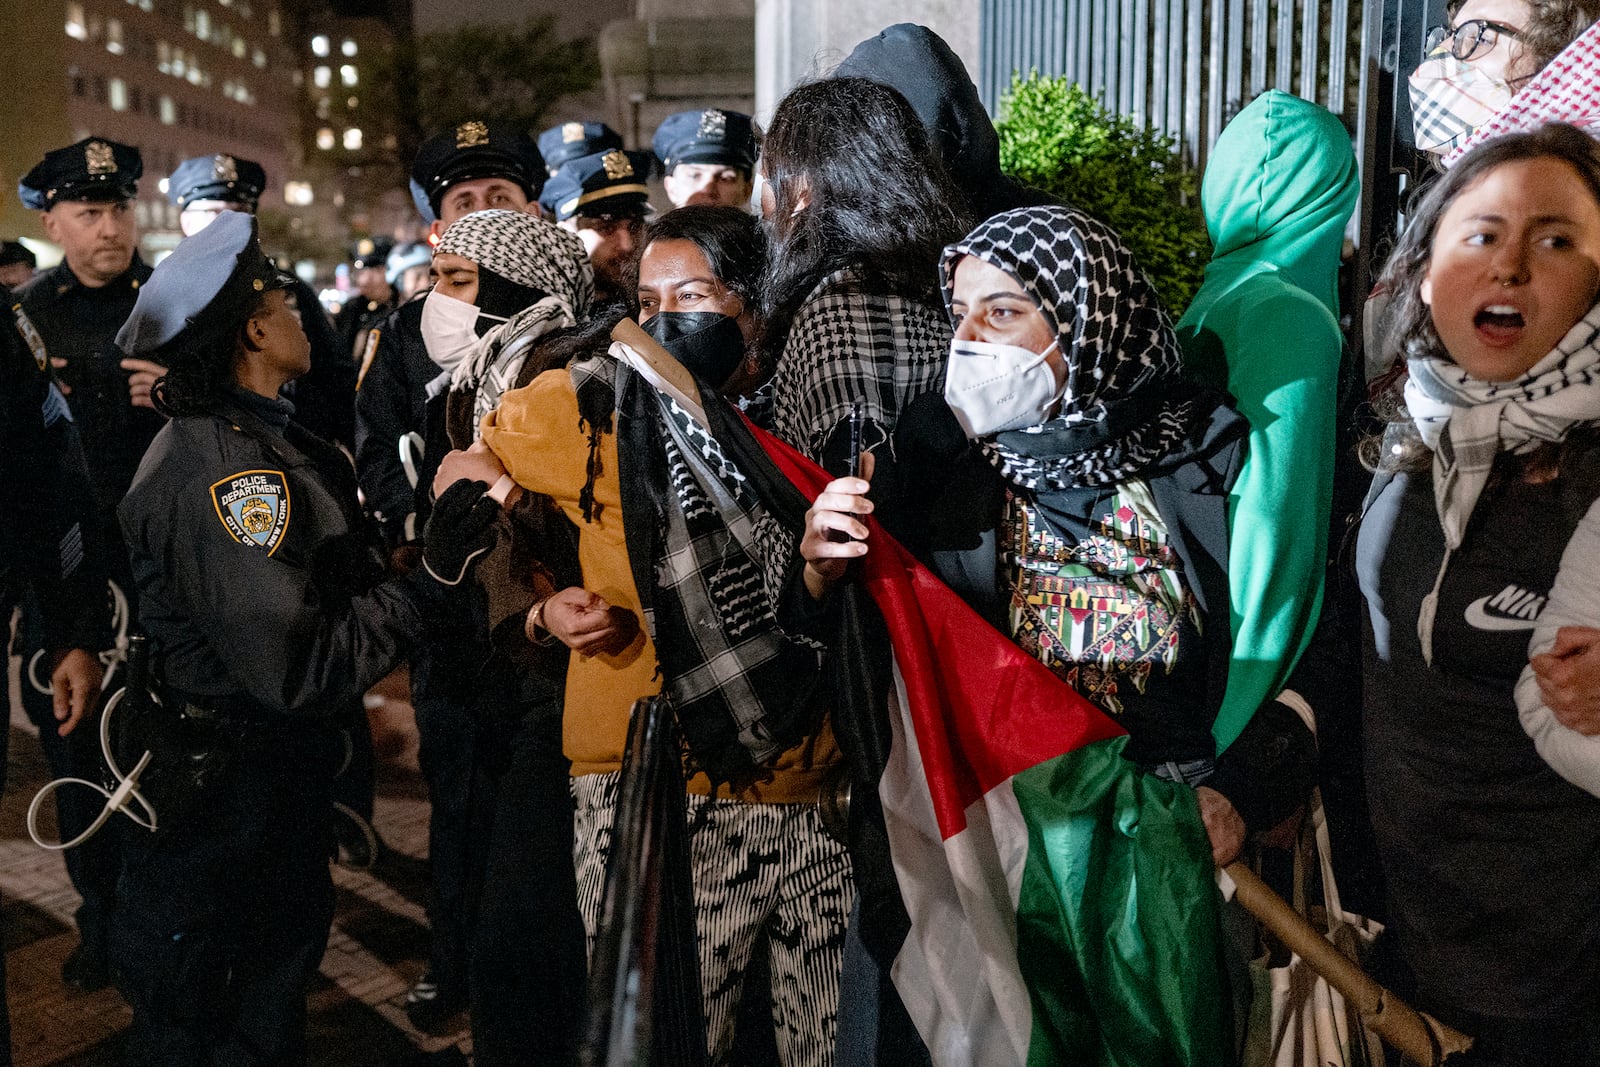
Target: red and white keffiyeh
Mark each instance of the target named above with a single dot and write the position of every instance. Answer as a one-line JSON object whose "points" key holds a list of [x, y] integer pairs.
{"points": [[1567, 90]]}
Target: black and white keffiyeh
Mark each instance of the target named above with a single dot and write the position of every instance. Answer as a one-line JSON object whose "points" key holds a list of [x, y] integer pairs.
{"points": [[847, 345], [535, 255], [1126, 405], [1468, 422], [740, 686]]}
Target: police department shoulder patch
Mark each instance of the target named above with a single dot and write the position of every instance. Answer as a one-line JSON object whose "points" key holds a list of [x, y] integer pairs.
{"points": [[254, 508]]}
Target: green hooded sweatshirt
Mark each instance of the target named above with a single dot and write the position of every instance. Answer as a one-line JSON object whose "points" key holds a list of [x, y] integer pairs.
{"points": [[1278, 190]]}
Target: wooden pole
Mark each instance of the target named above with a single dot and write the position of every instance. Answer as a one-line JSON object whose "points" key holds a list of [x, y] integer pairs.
{"points": [[1420, 1038]]}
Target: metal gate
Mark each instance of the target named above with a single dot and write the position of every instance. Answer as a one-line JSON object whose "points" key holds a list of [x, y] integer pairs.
{"points": [[1185, 67]]}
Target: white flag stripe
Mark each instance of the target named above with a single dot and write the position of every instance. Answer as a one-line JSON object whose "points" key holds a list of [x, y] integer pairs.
{"points": [[957, 971]]}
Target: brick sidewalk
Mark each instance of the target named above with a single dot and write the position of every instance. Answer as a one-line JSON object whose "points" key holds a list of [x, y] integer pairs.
{"points": [[376, 950]]}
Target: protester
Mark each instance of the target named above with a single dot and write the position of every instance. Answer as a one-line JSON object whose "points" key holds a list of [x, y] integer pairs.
{"points": [[471, 167], [917, 63], [509, 285], [673, 599], [1486, 54], [269, 622], [1488, 852]]}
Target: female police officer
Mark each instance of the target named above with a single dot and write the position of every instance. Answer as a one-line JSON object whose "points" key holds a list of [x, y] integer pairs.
{"points": [[261, 599]]}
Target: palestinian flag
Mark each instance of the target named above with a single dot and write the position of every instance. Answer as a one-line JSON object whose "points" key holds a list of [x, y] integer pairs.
{"points": [[1063, 906]]}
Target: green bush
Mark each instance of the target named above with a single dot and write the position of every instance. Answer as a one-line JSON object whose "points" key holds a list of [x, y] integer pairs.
{"points": [[1054, 136]]}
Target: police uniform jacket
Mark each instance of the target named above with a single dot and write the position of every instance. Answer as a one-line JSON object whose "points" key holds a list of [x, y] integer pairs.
{"points": [[258, 586], [391, 402], [50, 542], [78, 324]]}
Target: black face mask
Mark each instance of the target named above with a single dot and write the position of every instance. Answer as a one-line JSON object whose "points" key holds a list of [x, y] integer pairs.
{"points": [[708, 343]]}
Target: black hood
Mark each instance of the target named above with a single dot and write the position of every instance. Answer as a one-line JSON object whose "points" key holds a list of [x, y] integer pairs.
{"points": [[919, 65]]}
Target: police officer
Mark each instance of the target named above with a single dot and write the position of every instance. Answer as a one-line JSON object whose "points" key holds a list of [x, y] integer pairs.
{"points": [[604, 200], [84, 193], [46, 502], [267, 614], [18, 264], [408, 268], [708, 157], [471, 167], [373, 299], [324, 400], [560, 145]]}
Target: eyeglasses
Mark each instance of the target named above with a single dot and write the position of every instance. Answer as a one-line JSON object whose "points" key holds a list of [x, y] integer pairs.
{"points": [[1472, 38]]}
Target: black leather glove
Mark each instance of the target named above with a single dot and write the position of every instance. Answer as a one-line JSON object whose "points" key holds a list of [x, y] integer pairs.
{"points": [[460, 529]]}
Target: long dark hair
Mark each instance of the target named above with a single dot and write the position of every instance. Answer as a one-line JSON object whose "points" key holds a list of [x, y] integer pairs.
{"points": [[199, 360], [876, 196], [1408, 321]]}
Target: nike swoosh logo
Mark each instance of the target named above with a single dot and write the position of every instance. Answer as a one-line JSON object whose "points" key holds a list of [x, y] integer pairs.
{"points": [[1479, 619]]}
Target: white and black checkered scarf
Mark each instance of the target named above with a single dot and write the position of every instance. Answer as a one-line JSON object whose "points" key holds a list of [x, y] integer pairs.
{"points": [[1127, 405], [739, 684], [532, 253], [1468, 422]]}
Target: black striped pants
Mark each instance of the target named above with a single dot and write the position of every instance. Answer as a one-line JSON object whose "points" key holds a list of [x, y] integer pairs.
{"points": [[757, 868]]}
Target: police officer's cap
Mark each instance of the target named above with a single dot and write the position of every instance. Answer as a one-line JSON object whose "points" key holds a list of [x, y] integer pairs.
{"points": [[222, 177], [476, 150], [370, 252], [606, 183], [16, 252], [404, 257], [709, 136], [208, 277], [560, 145], [95, 168]]}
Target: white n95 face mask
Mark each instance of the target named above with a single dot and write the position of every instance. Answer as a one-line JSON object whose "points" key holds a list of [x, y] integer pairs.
{"points": [[992, 388], [448, 329]]}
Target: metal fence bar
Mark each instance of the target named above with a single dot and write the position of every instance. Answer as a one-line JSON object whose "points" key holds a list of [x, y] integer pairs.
{"points": [[1258, 48], [1215, 77], [1310, 14], [1139, 107], [1338, 29], [1175, 30], [1193, 35], [1284, 77]]}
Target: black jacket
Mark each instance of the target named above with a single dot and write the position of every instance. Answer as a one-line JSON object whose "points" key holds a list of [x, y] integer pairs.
{"points": [[258, 586], [392, 401], [79, 325], [51, 543]]}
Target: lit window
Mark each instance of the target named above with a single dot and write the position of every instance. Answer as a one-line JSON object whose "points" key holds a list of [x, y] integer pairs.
{"points": [[114, 36], [348, 48], [259, 58], [297, 194], [347, 74], [179, 67], [319, 45], [352, 103], [75, 23], [352, 138], [325, 139], [274, 26], [118, 94], [321, 77], [202, 24], [188, 19], [169, 111], [238, 47], [141, 213], [163, 57], [324, 107]]}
